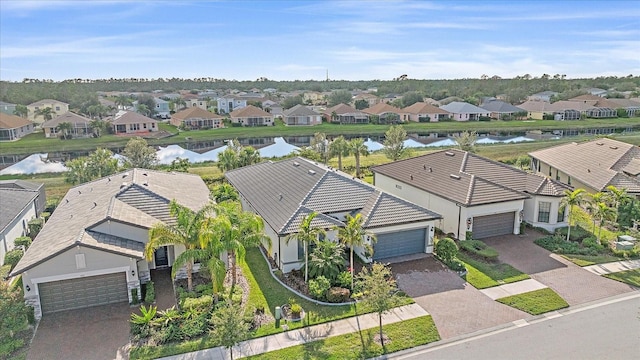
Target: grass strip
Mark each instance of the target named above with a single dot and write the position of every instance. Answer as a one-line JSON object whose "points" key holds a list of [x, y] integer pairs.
{"points": [[631, 277], [482, 274], [402, 335], [535, 302], [586, 260]]}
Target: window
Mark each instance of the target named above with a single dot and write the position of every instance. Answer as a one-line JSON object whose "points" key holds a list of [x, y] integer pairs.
{"points": [[569, 180], [557, 175], [300, 251], [398, 186], [561, 211], [57, 108], [544, 208]]}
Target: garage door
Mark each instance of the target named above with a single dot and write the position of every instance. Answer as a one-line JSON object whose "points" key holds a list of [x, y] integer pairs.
{"points": [[83, 292], [399, 243], [493, 225]]}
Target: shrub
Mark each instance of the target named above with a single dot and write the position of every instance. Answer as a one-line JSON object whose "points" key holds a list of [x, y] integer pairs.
{"points": [[4, 271], [204, 289], [479, 248], [456, 265], [344, 279], [318, 287], [296, 309], [446, 250], [592, 243], [327, 260], [338, 295], [23, 241], [134, 296], [150, 293], [35, 226], [12, 257], [202, 303], [194, 324], [45, 215], [577, 233], [557, 244]]}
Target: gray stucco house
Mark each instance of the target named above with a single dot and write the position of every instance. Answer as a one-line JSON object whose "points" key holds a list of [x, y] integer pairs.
{"points": [[90, 252]]}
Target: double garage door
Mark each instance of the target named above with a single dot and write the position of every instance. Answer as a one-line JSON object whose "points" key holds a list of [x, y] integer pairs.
{"points": [[493, 225], [399, 243], [83, 292]]}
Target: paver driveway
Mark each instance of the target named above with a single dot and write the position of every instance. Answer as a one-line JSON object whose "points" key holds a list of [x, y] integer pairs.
{"points": [[95, 333], [574, 284], [457, 307]]}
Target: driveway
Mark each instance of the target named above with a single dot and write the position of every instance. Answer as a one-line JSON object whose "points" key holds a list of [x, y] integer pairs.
{"points": [[96, 333], [574, 284], [457, 308]]}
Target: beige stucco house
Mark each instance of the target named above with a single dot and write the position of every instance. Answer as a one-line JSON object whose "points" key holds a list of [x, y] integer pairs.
{"points": [[14, 127], [130, 122], [474, 194], [58, 107], [197, 118], [301, 115], [283, 192], [90, 252], [424, 112], [251, 116], [80, 125]]}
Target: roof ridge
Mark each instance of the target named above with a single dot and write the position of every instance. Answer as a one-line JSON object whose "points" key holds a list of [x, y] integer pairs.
{"points": [[472, 186], [374, 199], [302, 202]]}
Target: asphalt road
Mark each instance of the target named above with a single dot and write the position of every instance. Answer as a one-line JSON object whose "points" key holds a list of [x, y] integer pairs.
{"points": [[606, 330]]}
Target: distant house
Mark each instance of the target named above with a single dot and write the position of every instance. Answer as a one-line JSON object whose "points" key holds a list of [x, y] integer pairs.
{"points": [[273, 108], [597, 92], [500, 109], [591, 165], [462, 111], [229, 103], [80, 125], [22, 201], [424, 112], [197, 118], [201, 103], [57, 106], [162, 108], [313, 97], [542, 96], [129, 122], [345, 114], [301, 115], [369, 98], [632, 107], [251, 116], [7, 108], [385, 113], [563, 108], [13, 127], [537, 109]]}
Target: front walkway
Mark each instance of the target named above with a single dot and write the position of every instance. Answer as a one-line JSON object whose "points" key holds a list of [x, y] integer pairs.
{"points": [[165, 295], [612, 267], [520, 287], [301, 336]]}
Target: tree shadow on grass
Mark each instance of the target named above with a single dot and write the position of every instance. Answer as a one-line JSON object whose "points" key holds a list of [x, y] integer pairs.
{"points": [[315, 350]]}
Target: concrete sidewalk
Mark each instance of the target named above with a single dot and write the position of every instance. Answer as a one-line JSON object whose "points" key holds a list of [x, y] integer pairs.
{"points": [[616, 266], [304, 335], [515, 288]]}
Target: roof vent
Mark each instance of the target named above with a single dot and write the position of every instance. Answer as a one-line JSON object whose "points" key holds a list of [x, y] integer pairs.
{"points": [[430, 169], [79, 192], [124, 184], [125, 175], [108, 179], [94, 204], [145, 173], [279, 196], [270, 161], [146, 183], [454, 176], [613, 147], [411, 176], [449, 153], [295, 163], [311, 172], [600, 143]]}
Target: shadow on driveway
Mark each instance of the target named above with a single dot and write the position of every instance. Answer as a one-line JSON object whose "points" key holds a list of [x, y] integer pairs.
{"points": [[520, 252]]}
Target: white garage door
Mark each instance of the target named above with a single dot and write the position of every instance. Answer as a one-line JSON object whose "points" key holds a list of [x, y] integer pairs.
{"points": [[83, 292], [493, 225], [399, 243]]}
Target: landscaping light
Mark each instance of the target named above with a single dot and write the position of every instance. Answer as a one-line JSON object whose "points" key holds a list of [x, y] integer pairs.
{"points": [[28, 288]]}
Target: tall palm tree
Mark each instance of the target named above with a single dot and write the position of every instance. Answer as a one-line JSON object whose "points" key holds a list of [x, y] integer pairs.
{"points": [[571, 199], [208, 254], [357, 148], [123, 101], [227, 160], [46, 113], [144, 109], [592, 206], [248, 155], [99, 127], [320, 144], [306, 234], [66, 128], [603, 213], [339, 147], [188, 231], [617, 196], [352, 235], [236, 230]]}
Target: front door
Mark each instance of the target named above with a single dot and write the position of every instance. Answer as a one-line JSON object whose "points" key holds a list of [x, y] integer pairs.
{"points": [[161, 257]]}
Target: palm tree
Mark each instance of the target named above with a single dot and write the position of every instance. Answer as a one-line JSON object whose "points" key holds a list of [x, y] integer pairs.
{"points": [[248, 156], [188, 231], [617, 196], [227, 160], [352, 235], [46, 113], [357, 148], [571, 199], [66, 128], [603, 213], [339, 147], [320, 144], [236, 230], [144, 109], [307, 234], [99, 127], [123, 101], [208, 254], [592, 206]]}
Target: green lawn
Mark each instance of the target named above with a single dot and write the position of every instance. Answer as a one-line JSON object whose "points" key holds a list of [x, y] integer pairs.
{"points": [[536, 302], [631, 277], [484, 275], [403, 335], [586, 260]]}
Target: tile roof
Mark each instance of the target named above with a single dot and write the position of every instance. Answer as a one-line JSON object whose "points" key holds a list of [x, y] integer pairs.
{"points": [[500, 106], [342, 109], [69, 117], [46, 102], [424, 108], [131, 117], [136, 196], [468, 179], [14, 200], [570, 105], [536, 105], [8, 121], [20, 184], [249, 111], [195, 112], [458, 107], [284, 192], [596, 163], [382, 108], [300, 110]]}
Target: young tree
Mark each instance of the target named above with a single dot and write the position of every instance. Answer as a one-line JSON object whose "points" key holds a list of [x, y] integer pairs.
{"points": [[466, 141], [99, 127], [227, 160], [306, 234], [21, 110], [379, 291], [320, 144], [180, 165], [352, 235], [411, 98], [139, 154], [292, 101], [46, 113], [570, 200], [14, 316], [229, 326], [123, 101], [339, 147], [98, 164], [394, 148], [339, 97], [358, 148], [224, 192], [248, 155], [361, 104]]}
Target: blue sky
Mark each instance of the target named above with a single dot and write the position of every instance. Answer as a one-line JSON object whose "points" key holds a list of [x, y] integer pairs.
{"points": [[289, 40]]}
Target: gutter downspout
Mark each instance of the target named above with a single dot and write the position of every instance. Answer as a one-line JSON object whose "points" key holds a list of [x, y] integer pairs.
{"points": [[459, 218]]}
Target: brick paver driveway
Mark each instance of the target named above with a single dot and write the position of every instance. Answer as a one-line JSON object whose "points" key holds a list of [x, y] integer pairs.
{"points": [[86, 334], [574, 284], [457, 308]]}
